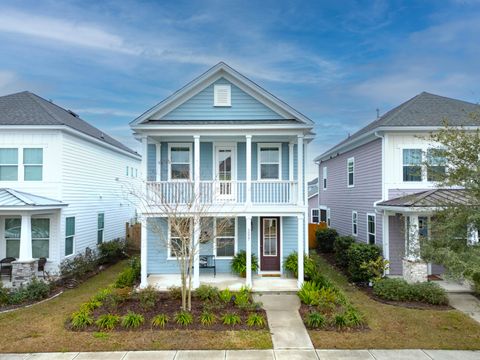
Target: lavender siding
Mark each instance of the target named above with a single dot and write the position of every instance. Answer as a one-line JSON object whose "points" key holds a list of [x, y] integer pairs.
{"points": [[397, 243], [368, 188], [312, 204]]}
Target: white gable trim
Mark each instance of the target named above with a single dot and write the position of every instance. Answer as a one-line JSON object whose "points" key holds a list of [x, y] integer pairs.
{"points": [[206, 79]]}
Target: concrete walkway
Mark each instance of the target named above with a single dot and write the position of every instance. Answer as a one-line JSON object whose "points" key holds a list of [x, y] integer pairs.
{"points": [[255, 355], [286, 325], [466, 303]]}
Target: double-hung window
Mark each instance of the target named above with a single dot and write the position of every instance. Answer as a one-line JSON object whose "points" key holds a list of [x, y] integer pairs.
{"points": [[436, 164], [354, 223], [324, 178], [12, 236], [40, 238], [100, 227], [180, 237], [323, 215], [69, 235], [8, 164], [224, 237], [32, 164], [269, 161], [371, 229], [315, 216], [350, 172], [412, 164], [180, 161]]}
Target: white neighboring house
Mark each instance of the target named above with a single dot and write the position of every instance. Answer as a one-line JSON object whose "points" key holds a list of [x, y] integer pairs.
{"points": [[60, 184]]}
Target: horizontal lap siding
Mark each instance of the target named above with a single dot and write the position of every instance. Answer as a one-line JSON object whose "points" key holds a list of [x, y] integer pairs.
{"points": [[396, 243], [368, 189], [289, 236]]}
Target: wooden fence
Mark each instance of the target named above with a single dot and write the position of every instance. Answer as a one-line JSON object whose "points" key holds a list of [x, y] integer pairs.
{"points": [[133, 235], [312, 229]]}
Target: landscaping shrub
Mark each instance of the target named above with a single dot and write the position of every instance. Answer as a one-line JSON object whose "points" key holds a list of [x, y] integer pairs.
{"points": [[132, 320], [340, 321], [79, 266], [354, 317], [4, 294], [147, 297], [107, 321], [256, 320], [340, 248], [91, 305], [309, 293], [207, 318], [207, 292], [35, 290], [160, 320], [231, 319], [112, 251], [116, 297], [291, 264], [184, 318], [102, 294], [225, 295], [239, 263], [130, 275], [315, 320], [325, 238], [175, 292], [242, 300], [476, 282], [400, 290], [357, 255], [375, 269], [81, 319]]}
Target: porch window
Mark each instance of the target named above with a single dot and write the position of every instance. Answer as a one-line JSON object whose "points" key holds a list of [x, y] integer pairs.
{"points": [[69, 235], [100, 227], [40, 238], [436, 164], [12, 236], [180, 162], [371, 229], [269, 162], [224, 237], [8, 164], [180, 231], [350, 171], [412, 165], [354, 223], [315, 216], [32, 164]]}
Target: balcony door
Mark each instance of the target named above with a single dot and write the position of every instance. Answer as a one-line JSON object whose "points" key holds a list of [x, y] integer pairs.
{"points": [[224, 172]]}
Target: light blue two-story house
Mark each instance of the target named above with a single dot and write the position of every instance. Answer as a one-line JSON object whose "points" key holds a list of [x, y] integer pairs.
{"points": [[243, 150]]}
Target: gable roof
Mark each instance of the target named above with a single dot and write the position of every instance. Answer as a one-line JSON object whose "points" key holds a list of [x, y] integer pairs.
{"points": [[12, 198], [26, 108], [423, 110], [430, 198], [207, 78]]}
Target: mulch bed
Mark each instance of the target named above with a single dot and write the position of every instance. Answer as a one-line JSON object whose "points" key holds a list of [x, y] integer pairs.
{"points": [[55, 291], [330, 258], [169, 306], [306, 309]]}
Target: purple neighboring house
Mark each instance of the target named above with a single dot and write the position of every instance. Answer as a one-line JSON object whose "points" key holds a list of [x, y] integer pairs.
{"points": [[375, 187]]}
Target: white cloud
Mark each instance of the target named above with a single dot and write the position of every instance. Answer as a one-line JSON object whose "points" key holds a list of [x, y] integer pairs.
{"points": [[107, 111]]}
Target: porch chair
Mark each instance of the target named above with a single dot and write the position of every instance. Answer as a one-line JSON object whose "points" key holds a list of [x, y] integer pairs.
{"points": [[6, 266], [41, 265]]}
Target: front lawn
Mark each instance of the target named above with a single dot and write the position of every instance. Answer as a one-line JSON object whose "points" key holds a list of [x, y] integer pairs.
{"points": [[393, 327], [41, 328]]}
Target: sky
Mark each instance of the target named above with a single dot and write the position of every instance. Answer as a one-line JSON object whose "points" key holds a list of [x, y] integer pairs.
{"points": [[334, 61]]}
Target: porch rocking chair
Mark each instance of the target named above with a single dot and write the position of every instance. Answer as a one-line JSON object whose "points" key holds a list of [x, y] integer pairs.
{"points": [[41, 265], [6, 266]]}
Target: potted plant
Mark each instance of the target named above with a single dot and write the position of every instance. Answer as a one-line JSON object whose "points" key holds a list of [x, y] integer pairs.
{"points": [[239, 263]]}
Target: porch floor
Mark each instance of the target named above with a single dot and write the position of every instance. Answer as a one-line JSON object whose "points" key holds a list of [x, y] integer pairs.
{"points": [[233, 282]]}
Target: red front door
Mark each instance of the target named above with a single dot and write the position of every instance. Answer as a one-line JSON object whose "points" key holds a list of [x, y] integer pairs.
{"points": [[270, 244]]}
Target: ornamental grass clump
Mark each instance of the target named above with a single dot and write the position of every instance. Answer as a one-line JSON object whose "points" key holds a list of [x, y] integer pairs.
{"points": [[315, 320], [225, 295], [107, 321], [231, 319], [207, 318], [184, 318], [81, 319], [132, 320], [256, 320], [160, 320]]}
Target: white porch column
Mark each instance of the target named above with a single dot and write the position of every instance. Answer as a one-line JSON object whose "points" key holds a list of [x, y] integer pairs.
{"points": [[300, 250], [144, 171], [248, 245], [414, 269], [290, 160], [412, 250], [305, 203], [26, 239], [196, 227], [248, 171], [386, 238], [300, 178], [143, 253]]}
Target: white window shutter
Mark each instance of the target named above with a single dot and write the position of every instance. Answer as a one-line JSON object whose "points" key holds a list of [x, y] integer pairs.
{"points": [[222, 95]]}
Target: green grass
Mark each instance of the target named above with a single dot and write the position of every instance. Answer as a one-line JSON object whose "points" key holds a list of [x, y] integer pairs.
{"points": [[40, 328], [393, 327]]}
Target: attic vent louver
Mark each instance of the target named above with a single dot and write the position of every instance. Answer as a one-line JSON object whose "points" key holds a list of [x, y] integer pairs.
{"points": [[222, 95]]}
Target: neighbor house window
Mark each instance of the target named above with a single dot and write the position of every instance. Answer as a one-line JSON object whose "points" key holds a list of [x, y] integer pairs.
{"points": [[126, 171], [32, 164], [8, 164], [40, 237], [180, 161], [350, 171], [269, 162], [324, 178], [436, 164], [315, 216], [371, 228], [323, 215], [354, 223], [100, 227], [412, 165], [12, 236], [180, 231], [224, 237], [69, 235]]}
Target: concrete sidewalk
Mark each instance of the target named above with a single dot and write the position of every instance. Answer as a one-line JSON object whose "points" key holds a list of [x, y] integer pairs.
{"points": [[466, 303], [256, 355]]}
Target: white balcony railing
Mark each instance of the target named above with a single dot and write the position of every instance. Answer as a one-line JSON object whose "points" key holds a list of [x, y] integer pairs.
{"points": [[221, 192]]}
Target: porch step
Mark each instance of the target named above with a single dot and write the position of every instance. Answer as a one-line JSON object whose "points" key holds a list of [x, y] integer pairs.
{"points": [[271, 275]]}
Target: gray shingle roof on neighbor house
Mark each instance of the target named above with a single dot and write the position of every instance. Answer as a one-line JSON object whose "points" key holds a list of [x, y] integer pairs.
{"points": [[13, 198], [431, 198], [26, 108], [423, 110]]}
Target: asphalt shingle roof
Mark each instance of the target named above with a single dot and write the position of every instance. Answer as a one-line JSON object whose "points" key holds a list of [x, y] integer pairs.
{"points": [[14, 198], [26, 108], [431, 198]]}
